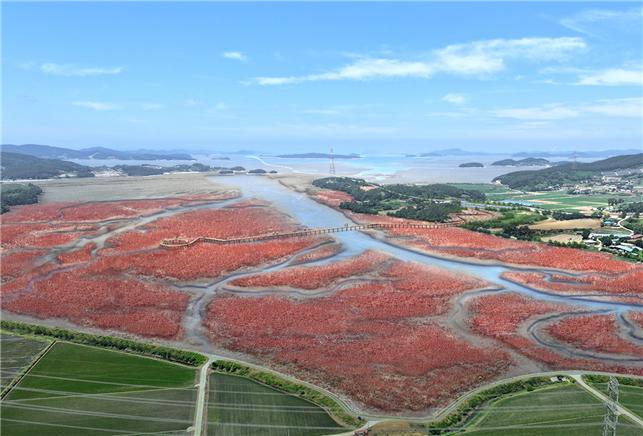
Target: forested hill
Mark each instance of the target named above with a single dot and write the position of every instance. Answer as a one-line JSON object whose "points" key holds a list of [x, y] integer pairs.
{"points": [[422, 202], [568, 173], [14, 194], [527, 162], [22, 166]]}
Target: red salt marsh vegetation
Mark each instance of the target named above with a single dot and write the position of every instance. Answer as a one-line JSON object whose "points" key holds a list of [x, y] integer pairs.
{"points": [[42, 235], [198, 261], [459, 242], [332, 198], [124, 285], [13, 264], [636, 318], [315, 277], [102, 301], [79, 255], [625, 286], [225, 223], [104, 210], [319, 253], [366, 341], [594, 333], [504, 317], [137, 251], [501, 315]]}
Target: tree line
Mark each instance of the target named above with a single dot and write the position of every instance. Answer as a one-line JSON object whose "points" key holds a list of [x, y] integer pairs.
{"points": [[190, 358]]}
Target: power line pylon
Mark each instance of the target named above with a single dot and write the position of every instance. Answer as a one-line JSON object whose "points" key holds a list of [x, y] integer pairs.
{"points": [[331, 170], [574, 159], [611, 413]]}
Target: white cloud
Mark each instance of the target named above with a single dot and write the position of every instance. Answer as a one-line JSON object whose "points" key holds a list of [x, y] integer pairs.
{"points": [[456, 99], [69, 70], [362, 69], [475, 58], [447, 114], [613, 77], [235, 55], [96, 105], [151, 106], [322, 111], [489, 56], [593, 21], [533, 124], [630, 107], [220, 106], [190, 102], [550, 112], [618, 107]]}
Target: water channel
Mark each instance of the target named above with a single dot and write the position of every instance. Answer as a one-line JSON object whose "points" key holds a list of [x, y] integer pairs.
{"points": [[315, 215]]}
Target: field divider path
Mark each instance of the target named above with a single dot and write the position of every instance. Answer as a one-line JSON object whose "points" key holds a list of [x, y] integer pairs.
{"points": [[201, 402], [17, 380], [598, 394]]}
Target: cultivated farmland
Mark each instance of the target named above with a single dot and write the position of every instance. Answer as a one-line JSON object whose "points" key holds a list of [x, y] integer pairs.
{"points": [[630, 393], [17, 353], [565, 410], [79, 390], [241, 407]]}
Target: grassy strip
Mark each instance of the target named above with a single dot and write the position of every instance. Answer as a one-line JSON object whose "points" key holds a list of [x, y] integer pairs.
{"points": [[469, 406], [302, 391], [627, 381], [180, 356]]}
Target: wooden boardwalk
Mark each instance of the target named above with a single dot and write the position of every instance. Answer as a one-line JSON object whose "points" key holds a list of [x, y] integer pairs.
{"points": [[186, 242]]}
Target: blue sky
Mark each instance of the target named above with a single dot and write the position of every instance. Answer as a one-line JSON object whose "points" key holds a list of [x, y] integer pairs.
{"points": [[301, 76]]}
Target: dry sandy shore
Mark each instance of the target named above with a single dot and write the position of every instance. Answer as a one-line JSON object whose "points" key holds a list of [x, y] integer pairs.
{"points": [[125, 187], [297, 182]]}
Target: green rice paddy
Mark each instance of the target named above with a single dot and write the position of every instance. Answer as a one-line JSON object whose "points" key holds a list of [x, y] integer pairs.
{"points": [[555, 200], [241, 407], [17, 353], [81, 390], [565, 410], [631, 397]]}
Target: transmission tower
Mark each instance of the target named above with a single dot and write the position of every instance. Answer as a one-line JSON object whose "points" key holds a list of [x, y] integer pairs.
{"points": [[611, 413], [574, 157], [331, 170]]}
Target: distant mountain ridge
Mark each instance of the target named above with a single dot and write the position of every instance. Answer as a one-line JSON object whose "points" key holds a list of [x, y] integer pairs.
{"points": [[454, 152], [52, 152], [580, 154], [523, 154], [23, 166], [567, 173]]}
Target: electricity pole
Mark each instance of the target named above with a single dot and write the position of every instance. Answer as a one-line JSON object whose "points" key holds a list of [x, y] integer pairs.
{"points": [[331, 170]]}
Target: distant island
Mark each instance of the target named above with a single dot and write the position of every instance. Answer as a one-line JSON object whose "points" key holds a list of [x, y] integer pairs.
{"points": [[527, 162], [471, 165], [51, 152], [319, 156], [455, 152], [17, 166]]}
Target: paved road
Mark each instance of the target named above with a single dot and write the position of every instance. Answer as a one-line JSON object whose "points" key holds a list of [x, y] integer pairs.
{"points": [[620, 224], [200, 399], [598, 394]]}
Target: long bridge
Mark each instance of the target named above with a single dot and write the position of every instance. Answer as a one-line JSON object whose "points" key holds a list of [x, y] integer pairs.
{"points": [[187, 242]]}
